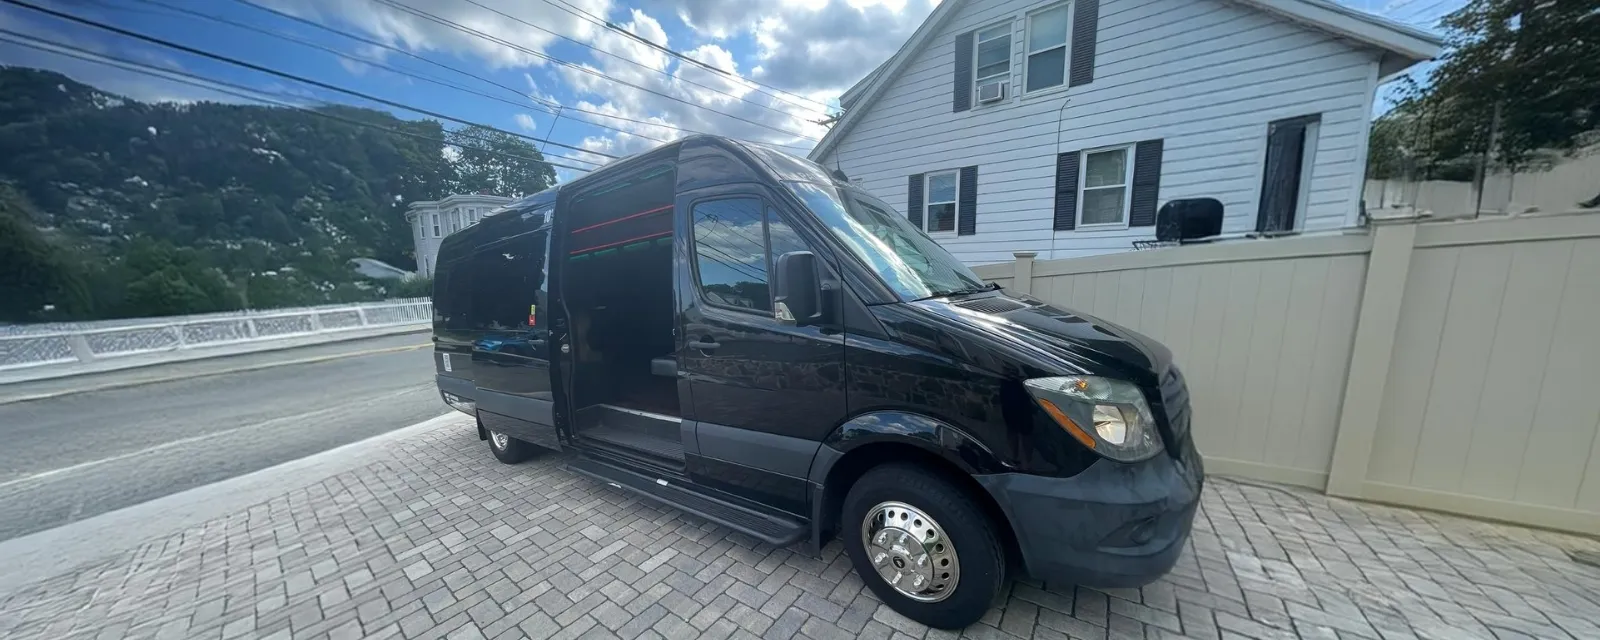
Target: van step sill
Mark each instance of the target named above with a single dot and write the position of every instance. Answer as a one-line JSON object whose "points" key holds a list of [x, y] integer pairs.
{"points": [[771, 529], [635, 441]]}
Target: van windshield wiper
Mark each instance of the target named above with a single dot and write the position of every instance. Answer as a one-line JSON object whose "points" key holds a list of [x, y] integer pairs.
{"points": [[959, 292]]}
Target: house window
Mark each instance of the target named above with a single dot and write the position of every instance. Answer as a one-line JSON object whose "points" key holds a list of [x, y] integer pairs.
{"points": [[435, 218], [993, 56], [1103, 191], [1047, 48], [943, 189]]}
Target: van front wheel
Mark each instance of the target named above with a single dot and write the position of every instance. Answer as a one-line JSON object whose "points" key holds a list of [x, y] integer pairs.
{"points": [[923, 545], [508, 449]]}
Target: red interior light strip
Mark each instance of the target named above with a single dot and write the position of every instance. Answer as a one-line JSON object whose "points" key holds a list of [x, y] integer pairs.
{"points": [[636, 215], [613, 244]]}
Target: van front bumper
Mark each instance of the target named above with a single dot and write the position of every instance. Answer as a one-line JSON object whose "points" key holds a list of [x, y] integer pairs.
{"points": [[1114, 525]]}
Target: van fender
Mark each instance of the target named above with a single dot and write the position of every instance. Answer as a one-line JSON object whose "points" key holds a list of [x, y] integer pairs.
{"points": [[934, 436]]}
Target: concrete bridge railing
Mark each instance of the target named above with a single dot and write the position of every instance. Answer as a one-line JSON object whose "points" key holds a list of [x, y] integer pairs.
{"points": [[48, 346]]}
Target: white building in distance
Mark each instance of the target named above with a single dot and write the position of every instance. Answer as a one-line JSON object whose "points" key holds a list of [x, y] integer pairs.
{"points": [[432, 220]]}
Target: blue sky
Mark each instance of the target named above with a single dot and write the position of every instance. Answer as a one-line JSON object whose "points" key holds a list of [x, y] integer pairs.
{"points": [[803, 53]]}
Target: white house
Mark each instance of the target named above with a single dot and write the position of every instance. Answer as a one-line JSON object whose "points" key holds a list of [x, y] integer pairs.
{"points": [[1061, 126], [432, 220]]}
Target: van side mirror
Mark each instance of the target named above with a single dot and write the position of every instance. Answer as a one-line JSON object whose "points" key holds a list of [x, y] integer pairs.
{"points": [[797, 289], [1189, 219]]}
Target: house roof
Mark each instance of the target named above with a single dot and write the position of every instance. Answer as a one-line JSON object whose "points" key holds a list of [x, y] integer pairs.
{"points": [[1409, 44], [852, 94]]}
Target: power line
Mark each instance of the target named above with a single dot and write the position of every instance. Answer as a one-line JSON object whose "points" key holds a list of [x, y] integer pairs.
{"points": [[465, 29], [622, 58], [581, 13], [565, 109], [282, 74], [232, 90], [390, 47], [348, 56], [562, 108]]}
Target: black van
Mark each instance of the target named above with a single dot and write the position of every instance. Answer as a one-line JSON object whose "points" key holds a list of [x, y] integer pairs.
{"points": [[735, 332]]}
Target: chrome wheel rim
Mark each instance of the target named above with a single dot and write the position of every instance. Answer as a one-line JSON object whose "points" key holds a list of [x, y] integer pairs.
{"points": [[499, 440], [910, 551]]}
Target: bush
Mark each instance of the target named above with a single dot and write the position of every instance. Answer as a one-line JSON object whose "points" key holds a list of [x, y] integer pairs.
{"points": [[418, 287]]}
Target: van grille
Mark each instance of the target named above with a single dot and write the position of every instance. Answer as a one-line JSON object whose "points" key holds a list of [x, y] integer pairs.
{"points": [[992, 305]]}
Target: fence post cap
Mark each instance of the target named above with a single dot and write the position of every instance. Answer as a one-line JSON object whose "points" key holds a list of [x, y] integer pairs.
{"points": [[1025, 254]]}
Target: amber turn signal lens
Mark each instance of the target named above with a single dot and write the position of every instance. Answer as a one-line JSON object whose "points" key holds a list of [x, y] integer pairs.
{"points": [[1067, 423]]}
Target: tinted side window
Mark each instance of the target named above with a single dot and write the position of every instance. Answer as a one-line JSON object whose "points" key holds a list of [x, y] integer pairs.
{"points": [[452, 288], [508, 282], [732, 257]]}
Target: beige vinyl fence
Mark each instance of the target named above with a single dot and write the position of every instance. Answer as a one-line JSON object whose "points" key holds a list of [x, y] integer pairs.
{"points": [[1448, 365]]}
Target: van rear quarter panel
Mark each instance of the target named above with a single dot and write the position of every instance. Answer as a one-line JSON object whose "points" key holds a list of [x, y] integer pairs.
{"points": [[452, 335]]}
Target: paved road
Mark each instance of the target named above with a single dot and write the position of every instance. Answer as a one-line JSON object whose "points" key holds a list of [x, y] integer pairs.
{"points": [[73, 456]]}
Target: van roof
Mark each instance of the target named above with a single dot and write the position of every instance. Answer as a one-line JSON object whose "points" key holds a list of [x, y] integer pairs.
{"points": [[782, 166]]}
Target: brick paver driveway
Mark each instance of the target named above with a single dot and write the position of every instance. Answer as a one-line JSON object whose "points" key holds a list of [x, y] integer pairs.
{"points": [[439, 540]]}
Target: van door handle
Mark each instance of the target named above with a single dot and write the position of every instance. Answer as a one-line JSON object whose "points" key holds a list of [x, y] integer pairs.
{"points": [[708, 343]]}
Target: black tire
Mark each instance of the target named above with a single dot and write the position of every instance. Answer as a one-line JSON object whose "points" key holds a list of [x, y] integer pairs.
{"points": [[981, 557], [513, 452]]}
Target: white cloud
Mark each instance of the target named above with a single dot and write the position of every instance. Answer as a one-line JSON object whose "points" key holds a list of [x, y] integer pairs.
{"points": [[417, 32], [662, 90], [135, 85], [526, 122], [813, 47]]}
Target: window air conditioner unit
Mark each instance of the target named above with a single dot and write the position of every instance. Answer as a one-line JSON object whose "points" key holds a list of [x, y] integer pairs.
{"points": [[992, 91]]}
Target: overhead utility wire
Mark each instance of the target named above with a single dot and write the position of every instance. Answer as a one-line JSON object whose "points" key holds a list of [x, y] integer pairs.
{"points": [[505, 43], [389, 47], [282, 74], [581, 13], [565, 109], [355, 58], [65, 50], [622, 58]]}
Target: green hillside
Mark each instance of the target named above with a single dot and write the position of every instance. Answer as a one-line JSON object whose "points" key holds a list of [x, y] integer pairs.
{"points": [[115, 208]]}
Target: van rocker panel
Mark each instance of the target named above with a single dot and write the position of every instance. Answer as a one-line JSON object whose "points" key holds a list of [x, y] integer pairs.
{"points": [[769, 528], [532, 410], [769, 452]]}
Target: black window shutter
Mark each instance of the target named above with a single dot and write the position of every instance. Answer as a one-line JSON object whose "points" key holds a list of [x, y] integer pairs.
{"points": [[914, 200], [1067, 191], [1085, 30], [963, 81], [1146, 184], [967, 206]]}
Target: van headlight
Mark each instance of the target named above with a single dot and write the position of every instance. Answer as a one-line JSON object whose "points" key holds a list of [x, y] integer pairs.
{"points": [[1109, 416]]}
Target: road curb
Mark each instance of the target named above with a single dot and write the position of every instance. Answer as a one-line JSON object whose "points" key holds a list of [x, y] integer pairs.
{"points": [[42, 555], [203, 374]]}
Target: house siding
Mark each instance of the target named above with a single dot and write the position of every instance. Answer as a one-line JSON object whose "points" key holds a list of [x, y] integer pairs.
{"points": [[418, 215], [1204, 76]]}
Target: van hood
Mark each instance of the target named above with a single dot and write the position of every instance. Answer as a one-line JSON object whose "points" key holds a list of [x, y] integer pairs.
{"points": [[1082, 343]]}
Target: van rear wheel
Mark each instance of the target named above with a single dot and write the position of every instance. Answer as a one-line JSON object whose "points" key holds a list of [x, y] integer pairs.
{"points": [[508, 449], [923, 546]]}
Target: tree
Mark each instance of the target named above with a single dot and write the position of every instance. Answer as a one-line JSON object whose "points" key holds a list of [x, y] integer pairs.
{"points": [[35, 275], [498, 163], [415, 287], [1520, 77], [180, 208]]}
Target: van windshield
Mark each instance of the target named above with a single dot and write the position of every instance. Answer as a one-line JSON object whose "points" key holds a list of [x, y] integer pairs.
{"points": [[912, 264]]}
